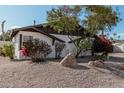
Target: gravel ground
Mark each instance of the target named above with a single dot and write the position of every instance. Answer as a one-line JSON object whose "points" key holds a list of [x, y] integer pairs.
{"points": [[52, 74]]}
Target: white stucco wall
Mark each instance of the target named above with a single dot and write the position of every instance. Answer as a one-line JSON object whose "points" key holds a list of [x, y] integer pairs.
{"points": [[35, 35], [64, 37], [118, 47], [15, 41], [68, 48]]}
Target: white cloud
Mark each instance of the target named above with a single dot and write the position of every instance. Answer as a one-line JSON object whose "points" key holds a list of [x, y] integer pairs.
{"points": [[0, 32], [13, 27], [121, 34]]}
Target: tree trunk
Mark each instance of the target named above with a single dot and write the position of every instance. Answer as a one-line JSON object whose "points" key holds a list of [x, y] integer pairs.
{"points": [[77, 54], [92, 51]]}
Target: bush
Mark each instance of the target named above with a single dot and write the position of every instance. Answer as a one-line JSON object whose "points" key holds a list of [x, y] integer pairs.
{"points": [[58, 49], [1, 52], [38, 50], [99, 57], [82, 45], [8, 50], [99, 46]]}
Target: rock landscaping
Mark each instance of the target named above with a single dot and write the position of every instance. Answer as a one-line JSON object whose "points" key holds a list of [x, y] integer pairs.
{"points": [[24, 74], [97, 63], [69, 60]]}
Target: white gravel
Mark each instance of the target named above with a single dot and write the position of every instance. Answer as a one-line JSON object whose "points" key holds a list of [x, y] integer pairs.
{"points": [[52, 74]]}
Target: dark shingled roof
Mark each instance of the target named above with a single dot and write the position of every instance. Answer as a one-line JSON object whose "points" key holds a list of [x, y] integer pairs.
{"points": [[46, 31]]}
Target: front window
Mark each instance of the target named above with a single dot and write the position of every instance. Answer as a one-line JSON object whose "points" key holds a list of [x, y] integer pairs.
{"points": [[26, 39]]}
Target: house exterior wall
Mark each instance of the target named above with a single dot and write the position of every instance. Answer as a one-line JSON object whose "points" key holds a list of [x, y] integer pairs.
{"points": [[69, 47], [118, 47], [15, 41]]}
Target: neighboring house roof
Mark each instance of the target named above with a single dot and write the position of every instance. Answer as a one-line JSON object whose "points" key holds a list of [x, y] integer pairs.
{"points": [[117, 41]]}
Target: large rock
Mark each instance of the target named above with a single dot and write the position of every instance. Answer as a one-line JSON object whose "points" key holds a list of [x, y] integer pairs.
{"points": [[97, 63], [91, 63], [69, 60]]}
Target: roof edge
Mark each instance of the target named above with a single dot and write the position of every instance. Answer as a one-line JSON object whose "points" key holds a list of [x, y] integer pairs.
{"points": [[51, 36]]}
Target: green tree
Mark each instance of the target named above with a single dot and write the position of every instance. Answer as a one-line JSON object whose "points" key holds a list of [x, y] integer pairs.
{"points": [[100, 18], [6, 35], [94, 19], [66, 18], [83, 45]]}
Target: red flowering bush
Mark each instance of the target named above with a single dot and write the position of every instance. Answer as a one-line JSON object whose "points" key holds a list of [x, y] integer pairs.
{"points": [[38, 50], [24, 51], [101, 44]]}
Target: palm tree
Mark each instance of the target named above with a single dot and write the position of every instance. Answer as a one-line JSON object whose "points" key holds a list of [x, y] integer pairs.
{"points": [[114, 34], [119, 37], [2, 25]]}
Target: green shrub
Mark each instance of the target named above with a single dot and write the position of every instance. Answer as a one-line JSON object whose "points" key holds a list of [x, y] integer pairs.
{"points": [[99, 57], [82, 45], [1, 51], [38, 50], [58, 49], [8, 50]]}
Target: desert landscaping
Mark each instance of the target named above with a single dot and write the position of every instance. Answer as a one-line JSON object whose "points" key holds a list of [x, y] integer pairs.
{"points": [[52, 75], [73, 46]]}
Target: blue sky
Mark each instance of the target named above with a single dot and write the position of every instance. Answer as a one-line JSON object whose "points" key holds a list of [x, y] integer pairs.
{"points": [[24, 16]]}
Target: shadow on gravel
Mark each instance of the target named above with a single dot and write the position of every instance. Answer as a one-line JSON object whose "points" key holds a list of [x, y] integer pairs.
{"points": [[85, 59], [116, 69], [116, 59], [80, 67]]}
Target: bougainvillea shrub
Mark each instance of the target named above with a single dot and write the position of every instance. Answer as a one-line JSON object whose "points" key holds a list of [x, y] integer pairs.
{"points": [[102, 44]]}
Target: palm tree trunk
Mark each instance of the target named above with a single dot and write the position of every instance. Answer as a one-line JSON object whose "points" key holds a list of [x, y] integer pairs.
{"points": [[2, 25], [102, 33]]}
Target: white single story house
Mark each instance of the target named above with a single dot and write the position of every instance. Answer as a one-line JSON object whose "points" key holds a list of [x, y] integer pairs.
{"points": [[23, 34]]}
